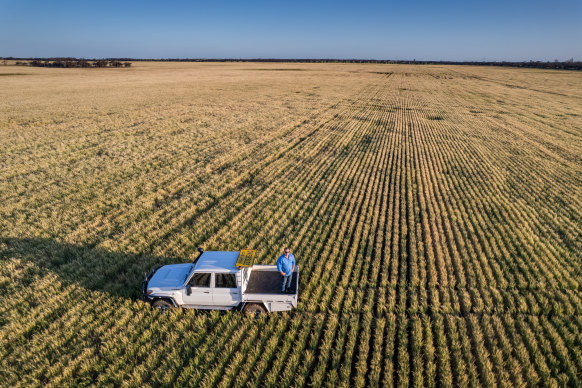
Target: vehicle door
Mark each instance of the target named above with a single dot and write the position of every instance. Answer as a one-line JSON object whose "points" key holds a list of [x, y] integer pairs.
{"points": [[226, 291], [199, 288]]}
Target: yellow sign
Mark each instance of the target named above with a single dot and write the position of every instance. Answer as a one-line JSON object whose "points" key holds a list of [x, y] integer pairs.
{"points": [[246, 258]]}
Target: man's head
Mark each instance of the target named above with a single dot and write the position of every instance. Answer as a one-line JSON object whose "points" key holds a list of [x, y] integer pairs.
{"points": [[286, 251]]}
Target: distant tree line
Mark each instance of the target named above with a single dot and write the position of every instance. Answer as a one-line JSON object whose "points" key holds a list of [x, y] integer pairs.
{"points": [[563, 65], [73, 63], [126, 62]]}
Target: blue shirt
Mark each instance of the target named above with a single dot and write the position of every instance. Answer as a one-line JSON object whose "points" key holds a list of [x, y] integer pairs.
{"points": [[285, 264]]}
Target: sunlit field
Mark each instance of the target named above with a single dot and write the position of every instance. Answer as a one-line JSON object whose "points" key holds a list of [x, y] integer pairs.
{"points": [[435, 212]]}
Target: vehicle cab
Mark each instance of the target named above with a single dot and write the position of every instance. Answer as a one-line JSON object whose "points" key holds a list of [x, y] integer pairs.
{"points": [[215, 281]]}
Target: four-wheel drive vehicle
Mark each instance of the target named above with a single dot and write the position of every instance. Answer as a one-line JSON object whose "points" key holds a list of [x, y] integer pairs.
{"points": [[220, 281]]}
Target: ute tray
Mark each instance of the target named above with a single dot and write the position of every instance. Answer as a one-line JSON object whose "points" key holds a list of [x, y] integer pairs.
{"points": [[268, 282]]}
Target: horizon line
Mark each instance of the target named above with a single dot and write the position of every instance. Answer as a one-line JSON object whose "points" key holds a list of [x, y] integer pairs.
{"points": [[275, 59]]}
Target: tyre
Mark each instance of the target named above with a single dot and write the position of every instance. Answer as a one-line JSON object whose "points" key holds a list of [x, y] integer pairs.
{"points": [[162, 305], [254, 308]]}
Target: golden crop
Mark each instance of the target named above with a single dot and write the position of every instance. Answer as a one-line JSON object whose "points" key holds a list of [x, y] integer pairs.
{"points": [[435, 212]]}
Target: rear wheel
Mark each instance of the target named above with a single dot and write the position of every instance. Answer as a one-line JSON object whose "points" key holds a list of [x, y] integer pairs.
{"points": [[254, 308], [162, 305]]}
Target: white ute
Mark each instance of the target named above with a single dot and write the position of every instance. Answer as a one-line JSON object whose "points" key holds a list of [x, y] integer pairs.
{"points": [[220, 281]]}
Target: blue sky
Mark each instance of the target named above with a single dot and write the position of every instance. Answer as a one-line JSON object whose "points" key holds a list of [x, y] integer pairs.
{"points": [[421, 30]]}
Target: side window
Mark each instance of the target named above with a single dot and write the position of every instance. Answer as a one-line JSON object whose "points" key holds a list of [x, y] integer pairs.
{"points": [[225, 280], [200, 280]]}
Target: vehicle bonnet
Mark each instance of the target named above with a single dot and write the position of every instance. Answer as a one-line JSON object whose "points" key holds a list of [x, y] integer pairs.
{"points": [[173, 275]]}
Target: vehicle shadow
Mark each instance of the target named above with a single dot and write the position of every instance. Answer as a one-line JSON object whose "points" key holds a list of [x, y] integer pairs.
{"points": [[117, 273]]}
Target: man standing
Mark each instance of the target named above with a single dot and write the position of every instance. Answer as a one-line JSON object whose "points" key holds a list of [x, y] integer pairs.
{"points": [[286, 266]]}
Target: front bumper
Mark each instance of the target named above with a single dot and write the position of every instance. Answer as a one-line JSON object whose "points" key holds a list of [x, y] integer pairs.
{"points": [[144, 285]]}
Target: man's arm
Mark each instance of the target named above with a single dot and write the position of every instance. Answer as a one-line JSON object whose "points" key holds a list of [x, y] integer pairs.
{"points": [[280, 266]]}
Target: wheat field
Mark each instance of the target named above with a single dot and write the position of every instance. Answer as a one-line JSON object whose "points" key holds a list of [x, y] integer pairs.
{"points": [[435, 212]]}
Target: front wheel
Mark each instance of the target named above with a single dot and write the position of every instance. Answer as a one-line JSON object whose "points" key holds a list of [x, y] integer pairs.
{"points": [[162, 305], [254, 308]]}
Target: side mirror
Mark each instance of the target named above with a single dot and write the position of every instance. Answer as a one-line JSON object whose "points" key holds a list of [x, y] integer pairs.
{"points": [[188, 290], [200, 250]]}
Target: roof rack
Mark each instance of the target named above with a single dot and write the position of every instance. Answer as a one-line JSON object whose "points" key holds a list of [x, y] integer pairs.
{"points": [[246, 258]]}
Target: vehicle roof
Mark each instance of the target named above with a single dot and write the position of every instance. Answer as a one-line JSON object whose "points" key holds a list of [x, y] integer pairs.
{"points": [[217, 261]]}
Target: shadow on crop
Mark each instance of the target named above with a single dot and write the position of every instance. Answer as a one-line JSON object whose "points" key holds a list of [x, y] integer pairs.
{"points": [[119, 274]]}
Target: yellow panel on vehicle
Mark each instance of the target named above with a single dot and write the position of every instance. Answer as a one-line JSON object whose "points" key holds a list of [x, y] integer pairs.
{"points": [[246, 258]]}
